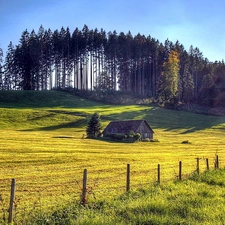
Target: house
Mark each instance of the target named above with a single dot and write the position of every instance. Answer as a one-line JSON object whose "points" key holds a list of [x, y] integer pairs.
{"points": [[125, 126]]}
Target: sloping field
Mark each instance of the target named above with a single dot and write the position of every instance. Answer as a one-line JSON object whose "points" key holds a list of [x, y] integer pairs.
{"points": [[42, 146]]}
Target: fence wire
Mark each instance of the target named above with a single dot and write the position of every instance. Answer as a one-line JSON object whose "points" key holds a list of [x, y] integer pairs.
{"points": [[48, 193]]}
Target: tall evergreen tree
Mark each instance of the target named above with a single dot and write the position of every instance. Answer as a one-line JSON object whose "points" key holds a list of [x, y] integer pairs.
{"points": [[24, 62], [11, 79], [48, 60], [112, 57], [1, 69], [35, 53], [42, 70], [196, 65], [57, 58], [188, 87], [75, 56], [94, 126]]}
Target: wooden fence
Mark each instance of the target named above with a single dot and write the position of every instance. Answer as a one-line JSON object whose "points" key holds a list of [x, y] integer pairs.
{"points": [[84, 191]]}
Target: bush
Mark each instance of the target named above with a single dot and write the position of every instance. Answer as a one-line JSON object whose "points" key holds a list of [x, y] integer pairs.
{"points": [[146, 140], [154, 140], [107, 135], [186, 142], [120, 137], [131, 134], [137, 137], [116, 136]]}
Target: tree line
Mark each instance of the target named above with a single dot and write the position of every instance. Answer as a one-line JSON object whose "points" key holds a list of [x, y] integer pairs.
{"points": [[94, 60]]}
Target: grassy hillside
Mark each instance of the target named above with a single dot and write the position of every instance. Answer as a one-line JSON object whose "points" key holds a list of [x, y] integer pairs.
{"points": [[39, 99], [199, 200], [43, 107], [41, 145]]}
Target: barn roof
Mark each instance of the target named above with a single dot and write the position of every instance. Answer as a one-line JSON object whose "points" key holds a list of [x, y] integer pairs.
{"points": [[125, 126]]}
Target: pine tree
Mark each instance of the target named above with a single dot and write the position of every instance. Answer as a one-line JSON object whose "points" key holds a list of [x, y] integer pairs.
{"points": [[111, 56], [188, 88], [1, 68], [23, 61], [10, 80], [48, 57], [94, 126], [208, 91]]}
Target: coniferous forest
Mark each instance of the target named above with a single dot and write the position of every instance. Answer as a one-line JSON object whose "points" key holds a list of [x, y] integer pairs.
{"points": [[107, 61]]}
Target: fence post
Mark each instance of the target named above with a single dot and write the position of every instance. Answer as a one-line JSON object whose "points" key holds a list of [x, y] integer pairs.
{"points": [[128, 177], [12, 198], [180, 170], [198, 168], [207, 163], [217, 161], [84, 190], [159, 173]]}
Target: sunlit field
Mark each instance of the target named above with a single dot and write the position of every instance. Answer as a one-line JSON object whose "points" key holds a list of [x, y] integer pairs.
{"points": [[43, 146]]}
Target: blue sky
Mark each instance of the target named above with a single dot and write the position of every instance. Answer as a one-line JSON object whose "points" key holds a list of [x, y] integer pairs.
{"points": [[192, 22]]}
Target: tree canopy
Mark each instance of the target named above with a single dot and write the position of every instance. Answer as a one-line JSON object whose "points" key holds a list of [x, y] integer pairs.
{"points": [[86, 59], [168, 81], [94, 126]]}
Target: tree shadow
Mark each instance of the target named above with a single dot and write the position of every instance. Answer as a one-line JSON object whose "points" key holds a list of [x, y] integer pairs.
{"points": [[157, 117], [171, 120], [75, 124], [110, 140], [73, 113], [62, 137]]}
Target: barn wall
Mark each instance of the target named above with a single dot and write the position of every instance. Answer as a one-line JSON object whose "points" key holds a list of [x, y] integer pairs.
{"points": [[145, 131]]}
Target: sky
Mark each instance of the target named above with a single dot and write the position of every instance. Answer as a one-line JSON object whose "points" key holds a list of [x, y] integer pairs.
{"points": [[192, 22]]}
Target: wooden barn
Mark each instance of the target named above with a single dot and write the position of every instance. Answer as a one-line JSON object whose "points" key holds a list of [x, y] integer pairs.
{"points": [[125, 126]]}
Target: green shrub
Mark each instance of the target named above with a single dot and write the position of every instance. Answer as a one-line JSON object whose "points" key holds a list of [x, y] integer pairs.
{"points": [[116, 136], [146, 140], [154, 140], [137, 137], [107, 135], [186, 142], [120, 137]]}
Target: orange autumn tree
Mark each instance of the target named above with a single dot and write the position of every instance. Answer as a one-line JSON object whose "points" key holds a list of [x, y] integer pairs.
{"points": [[169, 79]]}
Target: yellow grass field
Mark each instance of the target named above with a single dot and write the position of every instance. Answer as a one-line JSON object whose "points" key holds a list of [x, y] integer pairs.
{"points": [[45, 151]]}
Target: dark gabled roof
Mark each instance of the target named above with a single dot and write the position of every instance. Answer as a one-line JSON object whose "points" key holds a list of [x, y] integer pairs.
{"points": [[125, 126]]}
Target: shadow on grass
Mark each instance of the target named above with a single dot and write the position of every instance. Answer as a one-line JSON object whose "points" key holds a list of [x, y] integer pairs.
{"points": [[69, 113], [110, 140], [77, 124], [171, 120], [40, 99], [62, 137], [52, 113]]}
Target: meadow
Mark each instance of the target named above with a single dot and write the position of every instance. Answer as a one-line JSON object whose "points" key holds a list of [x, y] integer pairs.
{"points": [[43, 146]]}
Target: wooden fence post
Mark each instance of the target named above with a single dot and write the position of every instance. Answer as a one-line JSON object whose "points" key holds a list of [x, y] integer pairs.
{"points": [[198, 167], [217, 161], [12, 199], [84, 190], [159, 173], [128, 177], [180, 170], [207, 163]]}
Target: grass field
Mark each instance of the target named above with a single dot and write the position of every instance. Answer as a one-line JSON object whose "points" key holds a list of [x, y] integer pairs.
{"points": [[42, 147]]}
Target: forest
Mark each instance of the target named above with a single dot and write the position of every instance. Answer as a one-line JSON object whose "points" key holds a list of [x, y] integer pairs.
{"points": [[103, 61]]}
